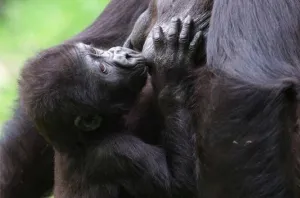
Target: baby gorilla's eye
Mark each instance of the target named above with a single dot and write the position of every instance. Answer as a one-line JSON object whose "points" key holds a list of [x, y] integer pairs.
{"points": [[88, 123], [103, 69]]}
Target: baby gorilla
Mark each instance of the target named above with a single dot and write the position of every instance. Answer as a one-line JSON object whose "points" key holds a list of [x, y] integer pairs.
{"points": [[78, 95]]}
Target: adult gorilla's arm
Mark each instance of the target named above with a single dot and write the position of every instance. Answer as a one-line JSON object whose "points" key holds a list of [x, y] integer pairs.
{"points": [[26, 161], [114, 25]]}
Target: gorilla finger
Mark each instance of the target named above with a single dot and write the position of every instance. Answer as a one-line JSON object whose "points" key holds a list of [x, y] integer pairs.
{"points": [[205, 17], [158, 37], [173, 31], [204, 25], [196, 43], [184, 36]]}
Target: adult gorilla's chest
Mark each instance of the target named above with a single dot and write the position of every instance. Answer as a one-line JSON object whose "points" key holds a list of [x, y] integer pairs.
{"points": [[166, 9]]}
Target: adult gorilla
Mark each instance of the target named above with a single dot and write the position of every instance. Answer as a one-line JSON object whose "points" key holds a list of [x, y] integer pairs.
{"points": [[249, 140], [26, 161]]}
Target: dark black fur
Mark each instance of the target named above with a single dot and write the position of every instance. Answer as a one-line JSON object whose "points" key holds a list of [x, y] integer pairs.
{"points": [[65, 82], [26, 161], [138, 117], [63, 86], [249, 138]]}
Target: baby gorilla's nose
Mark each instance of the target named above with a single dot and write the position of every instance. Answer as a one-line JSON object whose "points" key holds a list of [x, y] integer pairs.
{"points": [[127, 58]]}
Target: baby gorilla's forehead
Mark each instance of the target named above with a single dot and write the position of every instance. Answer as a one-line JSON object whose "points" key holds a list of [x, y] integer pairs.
{"points": [[87, 49], [81, 46], [82, 52], [78, 50], [76, 57], [85, 54]]}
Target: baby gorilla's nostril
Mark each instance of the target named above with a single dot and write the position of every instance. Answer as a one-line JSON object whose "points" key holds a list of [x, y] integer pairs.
{"points": [[127, 56]]}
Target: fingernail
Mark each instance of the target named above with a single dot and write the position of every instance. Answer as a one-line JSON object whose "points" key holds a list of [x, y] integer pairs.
{"points": [[206, 14], [198, 34], [156, 35]]}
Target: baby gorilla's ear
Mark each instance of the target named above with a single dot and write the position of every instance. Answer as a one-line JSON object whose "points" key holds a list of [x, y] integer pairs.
{"points": [[88, 123]]}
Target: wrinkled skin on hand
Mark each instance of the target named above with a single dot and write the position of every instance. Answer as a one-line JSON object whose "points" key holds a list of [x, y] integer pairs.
{"points": [[176, 51]]}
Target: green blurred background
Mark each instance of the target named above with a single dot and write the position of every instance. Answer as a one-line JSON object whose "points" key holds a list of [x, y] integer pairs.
{"points": [[27, 26]]}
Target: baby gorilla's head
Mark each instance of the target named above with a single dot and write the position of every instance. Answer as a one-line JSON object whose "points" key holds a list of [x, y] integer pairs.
{"points": [[70, 90]]}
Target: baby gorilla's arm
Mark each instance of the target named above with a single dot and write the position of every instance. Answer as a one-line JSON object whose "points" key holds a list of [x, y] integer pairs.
{"points": [[128, 161], [170, 171]]}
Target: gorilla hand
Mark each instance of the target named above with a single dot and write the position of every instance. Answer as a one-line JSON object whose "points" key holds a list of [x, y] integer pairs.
{"points": [[175, 51]]}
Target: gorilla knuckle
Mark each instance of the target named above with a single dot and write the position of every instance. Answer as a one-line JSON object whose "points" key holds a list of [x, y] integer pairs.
{"points": [[183, 39], [172, 35]]}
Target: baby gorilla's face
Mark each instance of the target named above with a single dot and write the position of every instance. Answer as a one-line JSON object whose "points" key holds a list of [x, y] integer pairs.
{"points": [[118, 67], [114, 77]]}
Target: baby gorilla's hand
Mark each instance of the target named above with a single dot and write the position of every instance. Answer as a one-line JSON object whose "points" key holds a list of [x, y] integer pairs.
{"points": [[175, 51]]}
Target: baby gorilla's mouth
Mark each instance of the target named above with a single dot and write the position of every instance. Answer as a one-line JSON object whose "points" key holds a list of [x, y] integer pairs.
{"points": [[103, 68], [150, 68], [139, 69], [144, 70]]}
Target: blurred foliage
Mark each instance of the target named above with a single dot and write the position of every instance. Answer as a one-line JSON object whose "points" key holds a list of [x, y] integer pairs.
{"points": [[28, 26]]}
